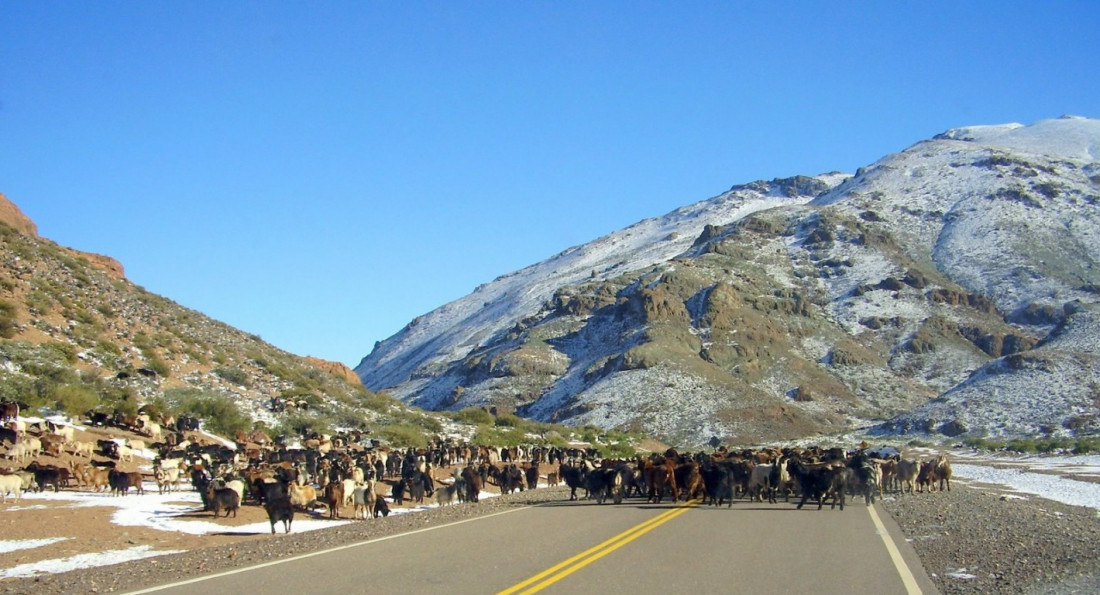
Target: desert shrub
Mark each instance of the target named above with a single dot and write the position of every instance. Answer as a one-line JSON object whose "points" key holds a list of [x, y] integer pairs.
{"points": [[473, 415], [218, 412], [618, 450], [65, 351], [302, 423], [349, 418], [234, 375], [8, 326], [74, 399], [117, 398], [404, 436], [39, 302], [158, 365], [14, 387], [105, 347], [497, 436], [509, 420], [380, 402], [1084, 446]]}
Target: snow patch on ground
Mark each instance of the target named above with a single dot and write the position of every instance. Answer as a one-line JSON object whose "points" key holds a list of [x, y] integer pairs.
{"points": [[12, 545], [1067, 491], [162, 512], [83, 561]]}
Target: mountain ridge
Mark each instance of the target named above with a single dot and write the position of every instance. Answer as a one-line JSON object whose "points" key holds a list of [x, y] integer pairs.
{"points": [[780, 308]]}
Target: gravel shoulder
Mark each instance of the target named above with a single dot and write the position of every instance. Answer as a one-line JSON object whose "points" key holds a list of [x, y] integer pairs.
{"points": [[981, 538]]}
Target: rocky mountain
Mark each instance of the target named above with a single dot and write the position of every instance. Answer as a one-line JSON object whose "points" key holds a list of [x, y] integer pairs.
{"points": [[75, 334], [946, 288]]}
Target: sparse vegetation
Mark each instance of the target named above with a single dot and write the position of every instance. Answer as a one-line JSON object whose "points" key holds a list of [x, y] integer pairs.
{"points": [[7, 319], [1077, 446], [234, 375], [219, 413], [403, 436]]}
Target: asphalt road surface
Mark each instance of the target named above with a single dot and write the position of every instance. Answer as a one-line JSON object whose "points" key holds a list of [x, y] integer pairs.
{"points": [[637, 548]]}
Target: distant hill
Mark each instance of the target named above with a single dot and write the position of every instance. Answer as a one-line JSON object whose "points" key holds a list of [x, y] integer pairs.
{"points": [[946, 288], [75, 334]]}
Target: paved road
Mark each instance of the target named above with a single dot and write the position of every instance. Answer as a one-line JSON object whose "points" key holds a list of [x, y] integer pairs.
{"points": [[580, 547]]}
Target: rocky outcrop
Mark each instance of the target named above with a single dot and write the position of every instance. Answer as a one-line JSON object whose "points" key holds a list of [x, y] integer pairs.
{"points": [[104, 263], [337, 369], [11, 216], [14, 218]]}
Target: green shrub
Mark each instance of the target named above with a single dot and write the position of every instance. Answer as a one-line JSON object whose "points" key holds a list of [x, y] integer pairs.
{"points": [[474, 415], [159, 366], [1084, 446], [404, 436], [509, 420], [14, 387], [618, 450], [234, 375], [498, 436], [8, 326], [66, 351], [304, 423], [74, 399], [218, 412]]}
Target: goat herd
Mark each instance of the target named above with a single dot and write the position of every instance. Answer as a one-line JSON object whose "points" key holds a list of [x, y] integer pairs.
{"points": [[350, 473], [813, 474]]}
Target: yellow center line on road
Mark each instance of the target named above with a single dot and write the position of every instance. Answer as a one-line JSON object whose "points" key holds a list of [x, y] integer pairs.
{"points": [[559, 571]]}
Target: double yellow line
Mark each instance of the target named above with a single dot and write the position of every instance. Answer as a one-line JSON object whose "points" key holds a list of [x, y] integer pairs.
{"points": [[555, 573]]}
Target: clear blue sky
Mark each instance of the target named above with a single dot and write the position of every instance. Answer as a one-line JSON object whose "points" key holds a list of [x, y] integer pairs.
{"points": [[321, 173]]}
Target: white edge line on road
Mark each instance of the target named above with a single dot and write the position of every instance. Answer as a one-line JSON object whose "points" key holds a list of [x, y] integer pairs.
{"points": [[199, 579], [907, 577]]}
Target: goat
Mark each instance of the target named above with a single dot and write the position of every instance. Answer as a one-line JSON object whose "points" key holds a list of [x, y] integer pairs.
{"points": [[718, 482], [11, 485], [48, 475], [604, 483], [472, 481], [447, 495], [573, 477], [821, 481], [760, 483], [121, 482], [279, 509], [167, 480], [381, 507], [303, 497], [905, 475], [334, 497], [924, 476], [365, 499], [223, 499], [82, 449], [941, 471], [531, 474]]}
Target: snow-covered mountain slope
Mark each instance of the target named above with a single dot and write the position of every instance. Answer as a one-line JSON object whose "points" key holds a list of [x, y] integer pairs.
{"points": [[1006, 211], [935, 275], [448, 333]]}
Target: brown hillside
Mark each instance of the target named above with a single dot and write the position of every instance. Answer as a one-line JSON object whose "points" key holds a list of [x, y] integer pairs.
{"points": [[11, 216]]}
